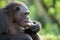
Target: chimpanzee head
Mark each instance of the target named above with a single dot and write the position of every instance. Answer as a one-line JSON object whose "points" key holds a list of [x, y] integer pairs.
{"points": [[19, 13]]}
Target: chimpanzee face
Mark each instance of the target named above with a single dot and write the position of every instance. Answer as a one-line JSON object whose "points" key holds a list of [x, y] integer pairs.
{"points": [[22, 15]]}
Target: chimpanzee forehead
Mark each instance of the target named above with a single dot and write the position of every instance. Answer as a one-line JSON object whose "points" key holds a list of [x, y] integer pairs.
{"points": [[23, 7]]}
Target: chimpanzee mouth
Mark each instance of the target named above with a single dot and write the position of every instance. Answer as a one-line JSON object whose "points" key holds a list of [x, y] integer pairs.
{"points": [[22, 23]]}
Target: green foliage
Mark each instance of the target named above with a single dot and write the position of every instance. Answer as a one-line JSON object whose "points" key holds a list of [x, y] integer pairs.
{"points": [[42, 32], [57, 8], [52, 28], [32, 11], [54, 11], [48, 3], [50, 37], [3, 3], [51, 11]]}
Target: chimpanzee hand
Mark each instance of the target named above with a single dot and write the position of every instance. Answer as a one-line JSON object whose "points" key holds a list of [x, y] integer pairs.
{"points": [[34, 28]]}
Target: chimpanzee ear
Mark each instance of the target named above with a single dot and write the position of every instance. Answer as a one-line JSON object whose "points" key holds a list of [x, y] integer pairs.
{"points": [[17, 8]]}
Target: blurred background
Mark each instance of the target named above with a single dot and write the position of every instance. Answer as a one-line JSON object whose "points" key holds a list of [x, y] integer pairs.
{"points": [[47, 12]]}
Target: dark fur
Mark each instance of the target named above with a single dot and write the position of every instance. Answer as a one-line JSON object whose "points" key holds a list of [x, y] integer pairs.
{"points": [[4, 35], [7, 31]]}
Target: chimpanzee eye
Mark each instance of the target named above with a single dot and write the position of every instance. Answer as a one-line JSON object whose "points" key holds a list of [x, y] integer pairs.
{"points": [[27, 13], [17, 9]]}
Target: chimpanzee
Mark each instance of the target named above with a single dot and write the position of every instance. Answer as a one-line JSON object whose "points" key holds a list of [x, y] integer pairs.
{"points": [[15, 23]]}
